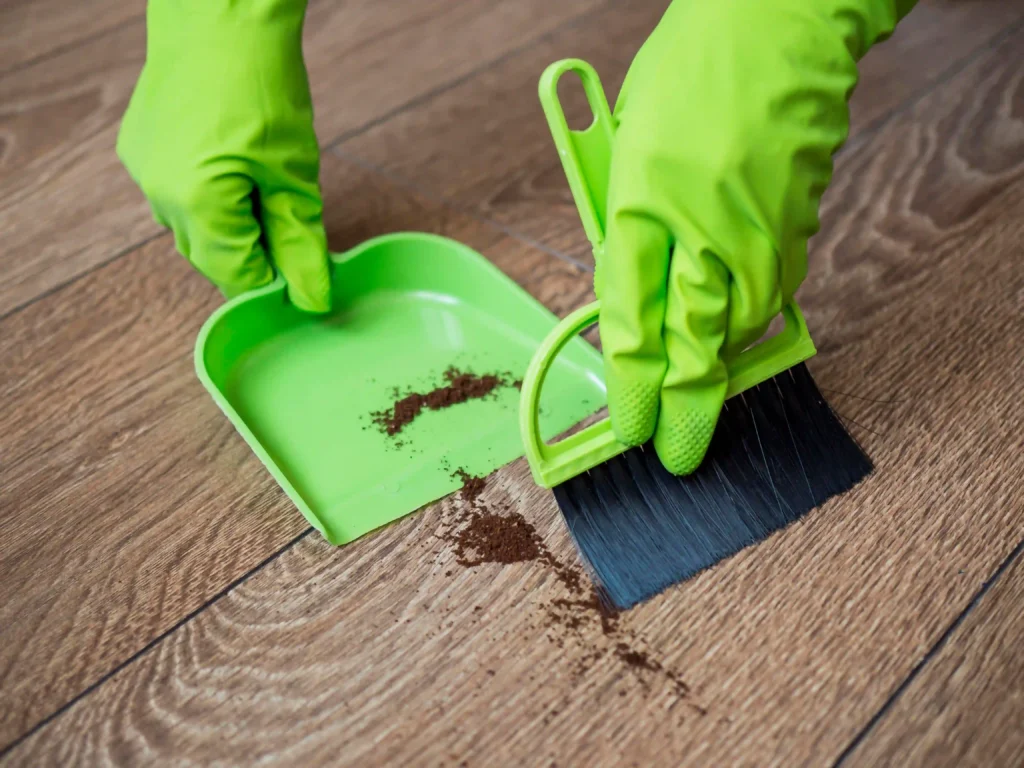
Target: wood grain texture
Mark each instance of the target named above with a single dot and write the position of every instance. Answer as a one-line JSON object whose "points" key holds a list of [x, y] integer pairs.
{"points": [[33, 29], [967, 707], [485, 145], [928, 45], [136, 504], [129, 500], [388, 651], [368, 59], [66, 204]]}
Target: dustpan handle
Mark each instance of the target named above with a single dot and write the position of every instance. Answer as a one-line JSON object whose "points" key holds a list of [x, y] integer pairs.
{"points": [[586, 158]]}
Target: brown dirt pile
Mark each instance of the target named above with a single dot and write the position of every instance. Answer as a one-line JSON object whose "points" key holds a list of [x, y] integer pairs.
{"points": [[460, 388], [479, 534]]}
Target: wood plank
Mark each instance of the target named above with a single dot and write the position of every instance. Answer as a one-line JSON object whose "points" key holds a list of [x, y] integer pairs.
{"points": [[371, 58], [485, 144], [64, 198], [66, 205], [969, 134], [934, 40], [33, 29], [967, 705], [129, 500], [391, 649]]}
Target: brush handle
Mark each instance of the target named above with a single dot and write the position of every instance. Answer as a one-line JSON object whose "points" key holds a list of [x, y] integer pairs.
{"points": [[585, 155], [552, 464], [586, 158]]}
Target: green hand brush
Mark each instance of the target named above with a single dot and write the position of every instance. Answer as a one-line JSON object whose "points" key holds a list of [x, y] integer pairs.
{"points": [[778, 451]]}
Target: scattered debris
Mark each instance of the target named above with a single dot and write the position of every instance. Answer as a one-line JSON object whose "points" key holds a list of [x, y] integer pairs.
{"points": [[478, 534]]}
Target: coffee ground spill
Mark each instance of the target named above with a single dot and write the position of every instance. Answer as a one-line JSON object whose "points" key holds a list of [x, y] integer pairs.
{"points": [[481, 535], [478, 534], [460, 387]]}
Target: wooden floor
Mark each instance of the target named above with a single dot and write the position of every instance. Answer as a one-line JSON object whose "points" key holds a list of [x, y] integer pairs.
{"points": [[162, 601]]}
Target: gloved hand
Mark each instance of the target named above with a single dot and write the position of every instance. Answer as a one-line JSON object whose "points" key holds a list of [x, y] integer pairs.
{"points": [[219, 136], [727, 123]]}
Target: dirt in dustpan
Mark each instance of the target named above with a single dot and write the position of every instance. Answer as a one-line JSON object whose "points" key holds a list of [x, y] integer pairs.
{"points": [[460, 387]]}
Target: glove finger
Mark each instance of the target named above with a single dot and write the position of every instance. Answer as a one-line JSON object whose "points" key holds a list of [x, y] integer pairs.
{"points": [[754, 290], [294, 232], [793, 270], [695, 383], [215, 229], [635, 269]]}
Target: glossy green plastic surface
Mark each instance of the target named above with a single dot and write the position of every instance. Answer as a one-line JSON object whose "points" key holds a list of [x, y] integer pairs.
{"points": [[301, 388], [586, 158]]}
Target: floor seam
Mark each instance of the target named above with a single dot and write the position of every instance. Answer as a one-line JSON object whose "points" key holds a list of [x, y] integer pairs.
{"points": [[57, 288], [94, 686], [456, 82], [946, 75], [456, 207], [861, 137], [936, 648], [874, 127], [62, 49], [124, 252], [332, 146], [959, 66]]}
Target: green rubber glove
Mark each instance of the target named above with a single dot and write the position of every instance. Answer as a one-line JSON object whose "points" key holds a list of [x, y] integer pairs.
{"points": [[727, 123], [219, 136]]}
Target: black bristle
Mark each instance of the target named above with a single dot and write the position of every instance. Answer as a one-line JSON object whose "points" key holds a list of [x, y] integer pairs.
{"points": [[778, 452]]}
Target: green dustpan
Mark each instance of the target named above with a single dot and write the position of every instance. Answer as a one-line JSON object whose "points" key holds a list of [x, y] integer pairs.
{"points": [[301, 389]]}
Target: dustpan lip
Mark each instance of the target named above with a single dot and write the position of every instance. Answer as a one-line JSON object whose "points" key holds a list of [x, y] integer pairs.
{"points": [[278, 285], [240, 425]]}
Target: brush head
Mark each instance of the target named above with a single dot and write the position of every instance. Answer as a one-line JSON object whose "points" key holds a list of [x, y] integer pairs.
{"points": [[778, 452]]}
